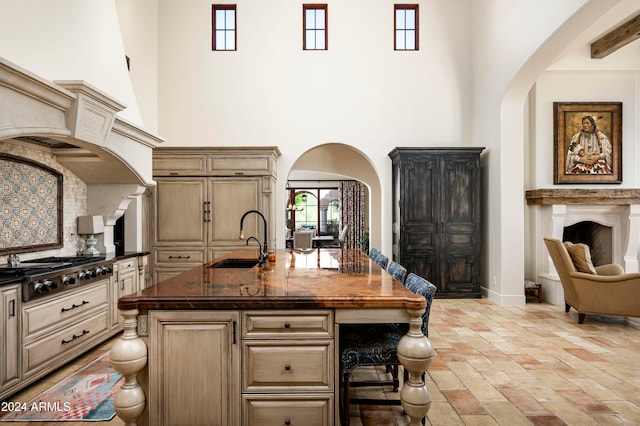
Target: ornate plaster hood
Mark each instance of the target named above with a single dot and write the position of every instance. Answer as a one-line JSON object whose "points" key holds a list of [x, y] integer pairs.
{"points": [[79, 123]]}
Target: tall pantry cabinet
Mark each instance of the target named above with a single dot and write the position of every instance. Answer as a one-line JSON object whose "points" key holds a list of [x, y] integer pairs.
{"points": [[200, 197], [436, 216]]}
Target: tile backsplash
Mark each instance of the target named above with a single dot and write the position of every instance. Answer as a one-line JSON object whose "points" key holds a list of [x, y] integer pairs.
{"points": [[74, 193]]}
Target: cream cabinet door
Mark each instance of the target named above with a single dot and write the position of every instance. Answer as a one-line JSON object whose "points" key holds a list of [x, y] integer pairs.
{"points": [[194, 368], [9, 337], [230, 199], [181, 212]]}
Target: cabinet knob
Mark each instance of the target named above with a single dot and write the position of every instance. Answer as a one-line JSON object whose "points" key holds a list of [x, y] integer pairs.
{"points": [[287, 422], [287, 367], [287, 325]]}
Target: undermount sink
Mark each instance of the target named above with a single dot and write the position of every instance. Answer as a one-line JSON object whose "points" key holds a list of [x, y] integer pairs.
{"points": [[235, 263]]}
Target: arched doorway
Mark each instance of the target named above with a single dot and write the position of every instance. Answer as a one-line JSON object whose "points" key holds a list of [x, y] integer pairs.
{"points": [[326, 165]]}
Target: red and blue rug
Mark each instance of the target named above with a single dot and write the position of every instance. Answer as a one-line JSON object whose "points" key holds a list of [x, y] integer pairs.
{"points": [[87, 395]]}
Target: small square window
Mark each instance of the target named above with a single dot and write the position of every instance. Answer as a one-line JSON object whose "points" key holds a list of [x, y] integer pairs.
{"points": [[224, 27], [406, 26], [314, 26]]}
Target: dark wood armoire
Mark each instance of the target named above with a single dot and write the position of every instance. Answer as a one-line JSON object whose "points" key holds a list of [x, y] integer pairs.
{"points": [[436, 216]]}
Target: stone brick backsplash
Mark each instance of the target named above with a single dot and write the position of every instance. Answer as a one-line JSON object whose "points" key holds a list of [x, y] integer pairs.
{"points": [[74, 196]]}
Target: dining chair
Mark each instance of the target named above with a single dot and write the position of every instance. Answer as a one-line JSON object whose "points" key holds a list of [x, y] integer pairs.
{"points": [[303, 240], [376, 344], [381, 260], [397, 271], [343, 235], [373, 252], [340, 241]]}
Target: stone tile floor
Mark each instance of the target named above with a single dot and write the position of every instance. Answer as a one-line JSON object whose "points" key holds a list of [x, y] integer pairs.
{"points": [[526, 365], [496, 365]]}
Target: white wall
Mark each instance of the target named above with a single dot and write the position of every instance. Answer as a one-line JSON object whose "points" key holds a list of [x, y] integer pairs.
{"points": [[467, 85], [69, 40], [139, 24], [585, 86], [514, 42], [360, 92]]}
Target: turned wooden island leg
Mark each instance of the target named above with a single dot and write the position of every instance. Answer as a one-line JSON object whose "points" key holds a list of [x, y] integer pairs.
{"points": [[415, 353], [128, 357]]}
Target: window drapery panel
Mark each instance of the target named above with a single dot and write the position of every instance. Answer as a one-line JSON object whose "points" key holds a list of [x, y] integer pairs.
{"points": [[352, 197]]}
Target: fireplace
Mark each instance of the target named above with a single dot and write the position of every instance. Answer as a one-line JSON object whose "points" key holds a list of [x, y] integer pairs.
{"points": [[598, 237], [608, 221]]}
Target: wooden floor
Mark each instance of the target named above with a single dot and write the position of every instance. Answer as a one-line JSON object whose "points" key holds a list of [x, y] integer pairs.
{"points": [[523, 365]]}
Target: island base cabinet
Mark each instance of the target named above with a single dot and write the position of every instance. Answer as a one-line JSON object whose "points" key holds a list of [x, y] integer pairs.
{"points": [[288, 367], [194, 350], [278, 410]]}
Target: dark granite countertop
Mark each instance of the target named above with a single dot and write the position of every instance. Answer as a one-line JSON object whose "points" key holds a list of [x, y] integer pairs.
{"points": [[321, 278], [127, 255]]}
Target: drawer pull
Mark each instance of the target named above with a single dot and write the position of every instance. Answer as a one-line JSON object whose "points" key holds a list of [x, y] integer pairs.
{"points": [[74, 306], [287, 325], [287, 367], [287, 422], [74, 337], [180, 257]]}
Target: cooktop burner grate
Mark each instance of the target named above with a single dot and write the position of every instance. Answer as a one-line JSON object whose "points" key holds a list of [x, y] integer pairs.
{"points": [[73, 260]]}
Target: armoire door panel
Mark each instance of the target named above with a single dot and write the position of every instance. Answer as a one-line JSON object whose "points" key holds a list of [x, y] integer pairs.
{"points": [[461, 237], [459, 272], [418, 190], [458, 190], [419, 238], [426, 264]]}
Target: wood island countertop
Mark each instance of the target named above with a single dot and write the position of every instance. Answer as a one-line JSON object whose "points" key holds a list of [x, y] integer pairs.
{"points": [[322, 278]]}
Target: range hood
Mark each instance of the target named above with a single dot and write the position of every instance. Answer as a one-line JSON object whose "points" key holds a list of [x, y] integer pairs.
{"points": [[79, 123]]}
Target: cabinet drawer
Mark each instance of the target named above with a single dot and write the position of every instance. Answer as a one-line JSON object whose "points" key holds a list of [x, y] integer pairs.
{"points": [[62, 310], [178, 165], [287, 365], [177, 257], [127, 265], [234, 165], [274, 410], [287, 324], [44, 350]]}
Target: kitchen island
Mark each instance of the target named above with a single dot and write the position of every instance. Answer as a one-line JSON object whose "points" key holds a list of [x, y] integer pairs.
{"points": [[230, 343]]}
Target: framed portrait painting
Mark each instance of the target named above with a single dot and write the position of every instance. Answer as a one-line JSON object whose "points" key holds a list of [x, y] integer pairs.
{"points": [[587, 142]]}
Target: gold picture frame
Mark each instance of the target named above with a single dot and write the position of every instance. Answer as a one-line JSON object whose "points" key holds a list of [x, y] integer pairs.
{"points": [[587, 142]]}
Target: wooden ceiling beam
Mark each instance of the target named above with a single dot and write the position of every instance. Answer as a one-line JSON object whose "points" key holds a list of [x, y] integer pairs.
{"points": [[615, 39]]}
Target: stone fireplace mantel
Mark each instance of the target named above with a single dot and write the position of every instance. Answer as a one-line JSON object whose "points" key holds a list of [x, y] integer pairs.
{"points": [[554, 209]]}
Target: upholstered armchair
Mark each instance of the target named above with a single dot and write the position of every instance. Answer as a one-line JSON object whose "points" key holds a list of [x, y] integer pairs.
{"points": [[589, 289]]}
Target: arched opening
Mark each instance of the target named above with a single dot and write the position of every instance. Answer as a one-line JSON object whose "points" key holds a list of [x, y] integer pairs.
{"points": [[524, 151], [312, 200]]}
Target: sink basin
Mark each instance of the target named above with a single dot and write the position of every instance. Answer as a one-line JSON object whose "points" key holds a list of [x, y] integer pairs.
{"points": [[235, 263]]}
